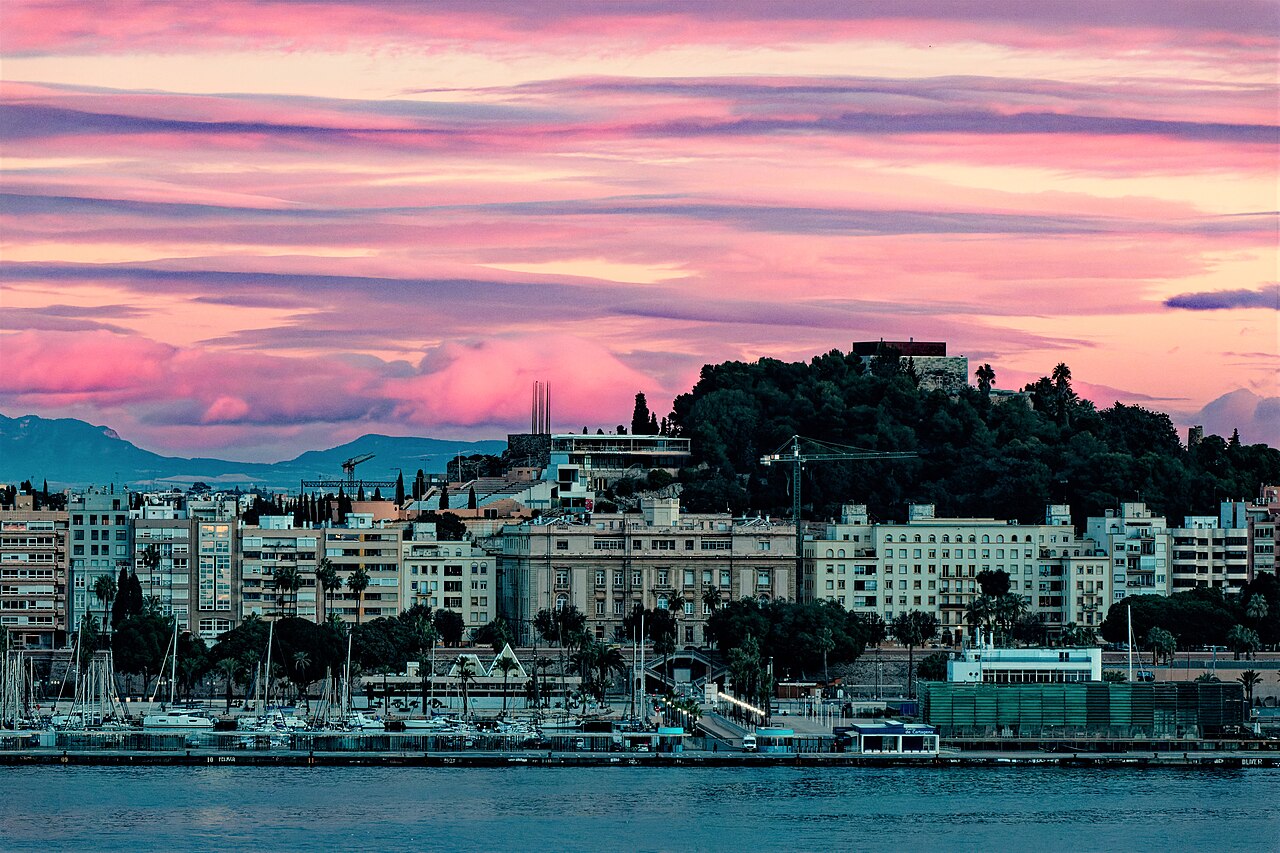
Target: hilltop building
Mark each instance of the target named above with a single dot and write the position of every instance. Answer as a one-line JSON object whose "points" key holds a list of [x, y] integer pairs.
{"points": [[937, 370]]}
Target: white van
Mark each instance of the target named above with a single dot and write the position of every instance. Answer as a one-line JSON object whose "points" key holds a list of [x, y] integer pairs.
{"points": [[748, 743]]}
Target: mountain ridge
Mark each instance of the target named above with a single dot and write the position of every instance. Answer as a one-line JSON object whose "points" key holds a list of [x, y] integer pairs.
{"points": [[72, 452]]}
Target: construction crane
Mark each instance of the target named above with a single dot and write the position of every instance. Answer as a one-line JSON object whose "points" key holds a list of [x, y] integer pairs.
{"points": [[349, 482], [790, 453], [349, 468]]}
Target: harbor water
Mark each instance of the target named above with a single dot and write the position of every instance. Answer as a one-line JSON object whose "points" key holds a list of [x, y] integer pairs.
{"points": [[591, 809]]}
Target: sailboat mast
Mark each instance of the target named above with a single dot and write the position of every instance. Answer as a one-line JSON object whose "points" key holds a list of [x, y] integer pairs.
{"points": [[266, 690], [346, 680], [173, 666], [1130, 612]]}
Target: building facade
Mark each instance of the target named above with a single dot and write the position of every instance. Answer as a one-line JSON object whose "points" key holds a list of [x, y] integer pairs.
{"points": [[101, 542], [457, 576], [932, 564], [33, 577], [660, 558]]}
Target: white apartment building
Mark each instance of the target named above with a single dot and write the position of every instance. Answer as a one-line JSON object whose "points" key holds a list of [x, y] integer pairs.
{"points": [[457, 576], [660, 558], [170, 540], [1138, 546], [581, 465], [932, 564]]}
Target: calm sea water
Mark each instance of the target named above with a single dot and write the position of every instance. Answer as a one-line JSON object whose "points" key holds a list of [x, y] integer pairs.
{"points": [[589, 809]]}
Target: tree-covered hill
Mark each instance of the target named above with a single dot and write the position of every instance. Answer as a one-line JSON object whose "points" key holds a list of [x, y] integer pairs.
{"points": [[977, 456]]}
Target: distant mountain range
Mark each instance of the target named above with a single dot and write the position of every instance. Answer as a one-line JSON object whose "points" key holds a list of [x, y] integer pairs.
{"points": [[69, 452]]}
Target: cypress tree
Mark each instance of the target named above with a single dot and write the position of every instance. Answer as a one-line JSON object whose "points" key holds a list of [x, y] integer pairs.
{"points": [[400, 488]]}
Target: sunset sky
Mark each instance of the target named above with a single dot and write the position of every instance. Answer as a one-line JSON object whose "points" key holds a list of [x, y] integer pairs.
{"points": [[246, 229]]}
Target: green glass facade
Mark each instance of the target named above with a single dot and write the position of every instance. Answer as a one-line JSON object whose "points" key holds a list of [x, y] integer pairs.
{"points": [[1089, 709]]}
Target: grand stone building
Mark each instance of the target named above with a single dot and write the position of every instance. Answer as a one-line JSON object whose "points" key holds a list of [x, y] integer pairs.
{"points": [[606, 563]]}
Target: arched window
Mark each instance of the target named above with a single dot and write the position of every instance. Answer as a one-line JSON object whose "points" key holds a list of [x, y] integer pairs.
{"points": [[933, 538], [902, 537], [946, 537], [999, 538], [830, 553], [917, 537], [840, 553], [562, 601], [971, 537], [663, 602], [986, 540]]}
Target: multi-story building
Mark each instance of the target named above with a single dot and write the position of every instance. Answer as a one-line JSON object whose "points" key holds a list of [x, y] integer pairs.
{"points": [[932, 564], [660, 558], [1211, 551], [581, 465], [457, 576], [101, 542], [377, 549], [1262, 522], [271, 544], [33, 576], [1138, 546], [162, 561], [215, 578]]}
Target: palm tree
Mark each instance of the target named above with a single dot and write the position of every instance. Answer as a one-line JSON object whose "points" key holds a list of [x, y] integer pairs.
{"points": [[1257, 608], [1009, 608], [466, 674], [1063, 395], [358, 582], [986, 376], [329, 581], [151, 560], [104, 589], [301, 660], [229, 668], [507, 666], [609, 663], [1162, 643], [1250, 679], [1077, 635], [979, 613], [288, 581], [914, 628], [711, 597]]}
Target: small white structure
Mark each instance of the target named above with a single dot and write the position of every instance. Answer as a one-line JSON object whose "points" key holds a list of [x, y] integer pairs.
{"points": [[890, 738], [1026, 666]]}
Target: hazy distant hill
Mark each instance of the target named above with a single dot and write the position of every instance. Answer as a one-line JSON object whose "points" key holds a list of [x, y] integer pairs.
{"points": [[70, 452]]}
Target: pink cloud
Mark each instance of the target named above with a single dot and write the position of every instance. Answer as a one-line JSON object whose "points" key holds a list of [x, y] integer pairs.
{"points": [[489, 383]]}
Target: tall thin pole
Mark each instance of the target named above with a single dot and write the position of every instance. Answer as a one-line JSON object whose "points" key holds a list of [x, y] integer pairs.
{"points": [[1130, 612]]}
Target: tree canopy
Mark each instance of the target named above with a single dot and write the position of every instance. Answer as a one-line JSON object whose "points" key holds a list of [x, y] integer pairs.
{"points": [[976, 456]]}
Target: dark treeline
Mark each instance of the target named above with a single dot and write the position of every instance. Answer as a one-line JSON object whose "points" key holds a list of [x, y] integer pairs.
{"points": [[977, 455]]}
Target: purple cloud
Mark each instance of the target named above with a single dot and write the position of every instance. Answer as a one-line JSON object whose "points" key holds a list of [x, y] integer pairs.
{"points": [[1267, 296]]}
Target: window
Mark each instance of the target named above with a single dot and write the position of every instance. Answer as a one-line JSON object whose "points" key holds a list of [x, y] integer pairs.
{"points": [[600, 576], [562, 544], [562, 577], [688, 577], [600, 607], [562, 601], [726, 577], [762, 545], [619, 577], [762, 577], [637, 578]]}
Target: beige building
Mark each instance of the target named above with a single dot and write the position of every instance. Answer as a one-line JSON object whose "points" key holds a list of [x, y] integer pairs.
{"points": [[33, 576], [457, 576], [607, 563], [274, 543], [376, 548]]}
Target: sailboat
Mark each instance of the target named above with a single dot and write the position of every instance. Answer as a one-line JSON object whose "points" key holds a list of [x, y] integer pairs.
{"points": [[173, 718]]}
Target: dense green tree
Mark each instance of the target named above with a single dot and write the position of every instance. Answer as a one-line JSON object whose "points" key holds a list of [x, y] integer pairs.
{"points": [[449, 627], [138, 643], [495, 634], [640, 416], [399, 497], [933, 667]]}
